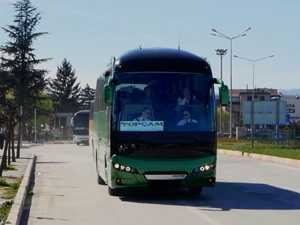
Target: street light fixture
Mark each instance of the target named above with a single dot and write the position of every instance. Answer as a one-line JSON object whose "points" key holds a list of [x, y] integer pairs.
{"points": [[252, 102], [221, 53], [218, 34]]}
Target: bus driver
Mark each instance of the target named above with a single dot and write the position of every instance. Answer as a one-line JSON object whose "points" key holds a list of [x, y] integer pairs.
{"points": [[145, 115], [186, 118]]}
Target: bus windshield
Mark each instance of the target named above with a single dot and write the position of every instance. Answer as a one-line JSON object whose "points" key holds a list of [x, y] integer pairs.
{"points": [[81, 124], [164, 102]]}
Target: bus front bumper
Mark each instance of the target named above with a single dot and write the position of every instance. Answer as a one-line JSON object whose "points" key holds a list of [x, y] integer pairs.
{"points": [[175, 174], [120, 180], [80, 139]]}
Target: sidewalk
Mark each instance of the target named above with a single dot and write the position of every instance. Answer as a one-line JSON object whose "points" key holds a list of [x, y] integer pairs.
{"points": [[23, 166]]}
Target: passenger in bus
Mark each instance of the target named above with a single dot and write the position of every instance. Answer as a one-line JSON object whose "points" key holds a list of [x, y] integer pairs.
{"points": [[146, 115], [187, 118], [136, 95], [147, 97], [186, 97]]}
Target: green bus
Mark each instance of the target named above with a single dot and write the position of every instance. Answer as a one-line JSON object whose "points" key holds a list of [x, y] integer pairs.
{"points": [[154, 121]]}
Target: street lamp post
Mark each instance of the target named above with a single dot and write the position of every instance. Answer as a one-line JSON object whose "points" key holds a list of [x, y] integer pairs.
{"points": [[218, 34], [252, 102], [62, 132], [221, 53]]}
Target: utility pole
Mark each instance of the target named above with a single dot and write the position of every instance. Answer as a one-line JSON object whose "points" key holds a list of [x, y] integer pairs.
{"points": [[219, 34], [34, 125], [221, 53], [253, 90]]}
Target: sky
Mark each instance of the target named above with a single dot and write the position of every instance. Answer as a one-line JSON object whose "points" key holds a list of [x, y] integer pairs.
{"points": [[88, 33]]}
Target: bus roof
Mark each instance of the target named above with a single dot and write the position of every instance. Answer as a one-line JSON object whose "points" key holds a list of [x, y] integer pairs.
{"points": [[161, 60], [82, 112]]}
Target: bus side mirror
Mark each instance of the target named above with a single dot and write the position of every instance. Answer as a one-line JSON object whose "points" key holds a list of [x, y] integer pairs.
{"points": [[223, 92], [108, 92]]}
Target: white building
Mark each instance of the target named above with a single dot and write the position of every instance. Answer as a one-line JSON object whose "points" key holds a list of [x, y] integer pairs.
{"points": [[293, 109]]}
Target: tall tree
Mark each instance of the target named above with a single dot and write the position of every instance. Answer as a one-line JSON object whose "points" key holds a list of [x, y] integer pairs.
{"points": [[8, 117], [87, 95], [225, 122], [4, 88], [64, 89], [19, 60]]}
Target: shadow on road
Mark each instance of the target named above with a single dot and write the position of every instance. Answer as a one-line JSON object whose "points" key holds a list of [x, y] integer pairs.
{"points": [[224, 197]]}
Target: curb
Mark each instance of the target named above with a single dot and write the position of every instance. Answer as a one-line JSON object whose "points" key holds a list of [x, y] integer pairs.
{"points": [[58, 142], [15, 214], [267, 158]]}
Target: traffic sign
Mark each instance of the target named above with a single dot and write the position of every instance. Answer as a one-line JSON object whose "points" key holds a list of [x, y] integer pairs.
{"points": [[288, 118]]}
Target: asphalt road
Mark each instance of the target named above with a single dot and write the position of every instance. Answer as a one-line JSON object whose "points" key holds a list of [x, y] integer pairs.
{"points": [[248, 191]]}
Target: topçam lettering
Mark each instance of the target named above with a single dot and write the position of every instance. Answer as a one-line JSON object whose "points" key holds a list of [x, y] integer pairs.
{"points": [[144, 123]]}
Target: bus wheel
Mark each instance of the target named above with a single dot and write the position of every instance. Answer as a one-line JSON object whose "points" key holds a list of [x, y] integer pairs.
{"points": [[195, 190], [114, 192]]}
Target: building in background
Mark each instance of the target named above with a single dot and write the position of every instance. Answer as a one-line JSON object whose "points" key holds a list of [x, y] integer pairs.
{"points": [[239, 96], [293, 110]]}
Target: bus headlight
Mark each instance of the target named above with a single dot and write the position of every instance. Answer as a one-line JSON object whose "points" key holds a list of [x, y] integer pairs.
{"points": [[124, 168], [204, 168]]}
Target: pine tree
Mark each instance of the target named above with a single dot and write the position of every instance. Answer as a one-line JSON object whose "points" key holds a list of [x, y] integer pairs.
{"points": [[87, 95], [20, 61], [64, 89]]}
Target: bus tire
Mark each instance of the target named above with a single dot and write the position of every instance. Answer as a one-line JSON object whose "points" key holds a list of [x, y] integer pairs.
{"points": [[195, 190], [114, 192]]}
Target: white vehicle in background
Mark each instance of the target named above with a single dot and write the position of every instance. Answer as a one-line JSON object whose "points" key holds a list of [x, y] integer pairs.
{"points": [[80, 123]]}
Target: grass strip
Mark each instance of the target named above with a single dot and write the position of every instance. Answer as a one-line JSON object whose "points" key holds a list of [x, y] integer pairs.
{"points": [[5, 209], [264, 149]]}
